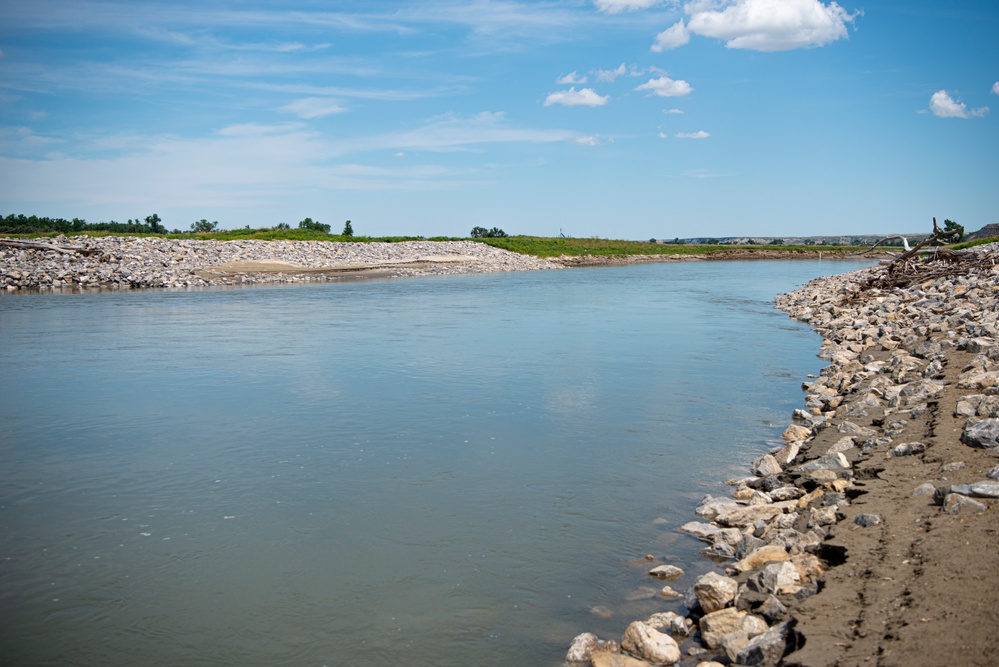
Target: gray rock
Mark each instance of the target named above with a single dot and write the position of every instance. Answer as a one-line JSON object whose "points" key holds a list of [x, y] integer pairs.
{"points": [[765, 466], [926, 489], [955, 503], [765, 650], [993, 474], [711, 507], [833, 461], [772, 610], [908, 449], [976, 490], [867, 520], [777, 579], [984, 434]]}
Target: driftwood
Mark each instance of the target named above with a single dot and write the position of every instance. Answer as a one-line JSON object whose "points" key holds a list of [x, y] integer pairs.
{"points": [[35, 245], [919, 264]]}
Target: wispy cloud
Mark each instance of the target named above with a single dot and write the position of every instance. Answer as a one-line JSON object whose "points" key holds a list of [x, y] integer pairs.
{"points": [[591, 140], [944, 106], [571, 79], [673, 111], [995, 88], [664, 86], [617, 6], [760, 25], [609, 75], [585, 97], [700, 134], [313, 107]]}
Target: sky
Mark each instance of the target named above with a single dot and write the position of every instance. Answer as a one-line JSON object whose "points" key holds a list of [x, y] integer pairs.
{"points": [[623, 119]]}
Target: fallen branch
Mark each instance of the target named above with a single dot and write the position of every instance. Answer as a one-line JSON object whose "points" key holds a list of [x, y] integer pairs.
{"points": [[34, 245]]}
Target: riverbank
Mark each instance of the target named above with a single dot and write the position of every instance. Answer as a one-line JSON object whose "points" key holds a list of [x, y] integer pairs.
{"points": [[110, 262], [869, 537]]}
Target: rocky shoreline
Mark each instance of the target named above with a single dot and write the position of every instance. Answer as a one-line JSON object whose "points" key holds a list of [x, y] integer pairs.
{"points": [[116, 263], [869, 537], [113, 262]]}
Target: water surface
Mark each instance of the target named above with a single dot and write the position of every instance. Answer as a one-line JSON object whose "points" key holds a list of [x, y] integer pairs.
{"points": [[430, 471]]}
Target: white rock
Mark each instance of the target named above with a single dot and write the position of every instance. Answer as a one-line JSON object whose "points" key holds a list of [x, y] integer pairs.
{"points": [[650, 644]]}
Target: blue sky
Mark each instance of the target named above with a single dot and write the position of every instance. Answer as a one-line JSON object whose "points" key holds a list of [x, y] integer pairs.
{"points": [[613, 118]]}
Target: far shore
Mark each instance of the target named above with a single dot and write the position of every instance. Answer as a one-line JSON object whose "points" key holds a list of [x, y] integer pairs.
{"points": [[115, 263]]}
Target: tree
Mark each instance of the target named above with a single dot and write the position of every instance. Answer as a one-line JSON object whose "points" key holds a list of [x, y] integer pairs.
{"points": [[347, 229], [316, 226], [204, 226], [955, 230], [154, 224], [483, 233]]}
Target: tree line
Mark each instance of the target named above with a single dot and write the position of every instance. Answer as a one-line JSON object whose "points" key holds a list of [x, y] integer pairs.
{"points": [[33, 224], [151, 224]]}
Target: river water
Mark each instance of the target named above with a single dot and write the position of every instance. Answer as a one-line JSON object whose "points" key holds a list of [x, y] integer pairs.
{"points": [[426, 471]]}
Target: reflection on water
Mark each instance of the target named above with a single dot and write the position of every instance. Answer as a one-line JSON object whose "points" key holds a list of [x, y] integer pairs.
{"points": [[444, 471]]}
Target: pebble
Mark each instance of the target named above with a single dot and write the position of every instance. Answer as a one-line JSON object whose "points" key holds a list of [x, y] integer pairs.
{"points": [[867, 520]]}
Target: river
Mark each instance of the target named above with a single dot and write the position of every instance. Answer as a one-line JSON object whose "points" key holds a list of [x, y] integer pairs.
{"points": [[426, 471]]}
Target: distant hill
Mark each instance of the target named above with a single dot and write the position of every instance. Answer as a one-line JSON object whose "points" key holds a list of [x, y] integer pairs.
{"points": [[986, 232], [851, 240]]}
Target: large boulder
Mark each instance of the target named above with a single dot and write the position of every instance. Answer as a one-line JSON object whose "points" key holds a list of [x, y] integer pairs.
{"points": [[726, 622], [650, 644], [715, 591], [766, 649], [984, 434]]}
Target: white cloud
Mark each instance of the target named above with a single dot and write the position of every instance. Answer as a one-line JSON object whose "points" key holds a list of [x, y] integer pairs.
{"points": [[609, 75], [995, 88], [944, 106], [618, 6], [761, 25], [586, 97], [590, 140], [313, 107], [664, 86], [671, 38], [673, 111], [700, 134], [570, 79]]}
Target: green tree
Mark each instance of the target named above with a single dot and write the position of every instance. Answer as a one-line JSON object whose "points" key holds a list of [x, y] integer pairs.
{"points": [[308, 223], [154, 224], [348, 230], [956, 230], [204, 226], [483, 233]]}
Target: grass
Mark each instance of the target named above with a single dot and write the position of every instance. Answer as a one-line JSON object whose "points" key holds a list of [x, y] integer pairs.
{"points": [[578, 247], [536, 246], [972, 244]]}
